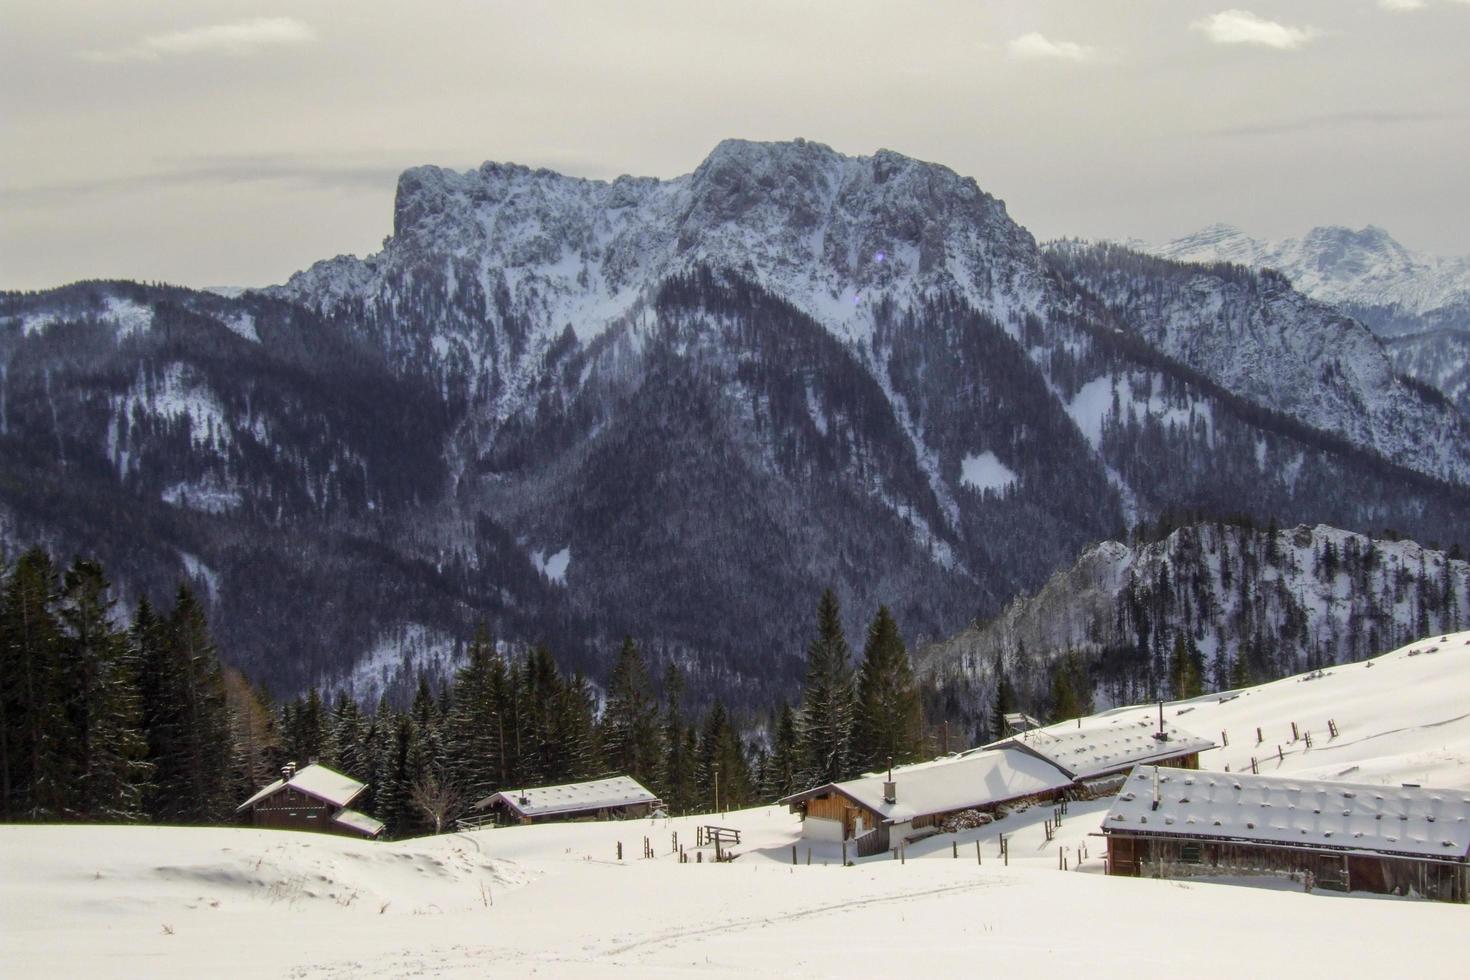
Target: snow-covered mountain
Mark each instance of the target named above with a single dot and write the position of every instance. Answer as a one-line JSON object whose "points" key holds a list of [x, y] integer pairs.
{"points": [[576, 409], [1247, 602], [1365, 272], [1268, 343]]}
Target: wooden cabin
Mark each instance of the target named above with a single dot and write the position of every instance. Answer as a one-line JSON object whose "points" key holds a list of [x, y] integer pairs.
{"points": [[877, 812], [618, 798], [1174, 823], [315, 798]]}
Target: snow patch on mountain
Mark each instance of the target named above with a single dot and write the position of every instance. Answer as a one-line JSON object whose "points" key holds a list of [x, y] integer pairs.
{"points": [[197, 570], [554, 566], [400, 653], [985, 472]]}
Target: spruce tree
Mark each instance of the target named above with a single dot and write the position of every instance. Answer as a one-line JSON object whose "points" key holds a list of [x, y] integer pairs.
{"points": [[784, 765], [888, 727], [108, 751], [184, 714], [827, 700], [1003, 702], [36, 738], [473, 738], [629, 723], [676, 774]]}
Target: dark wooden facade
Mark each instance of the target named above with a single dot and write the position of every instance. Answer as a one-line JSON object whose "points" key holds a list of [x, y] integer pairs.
{"points": [[1164, 856], [290, 809]]}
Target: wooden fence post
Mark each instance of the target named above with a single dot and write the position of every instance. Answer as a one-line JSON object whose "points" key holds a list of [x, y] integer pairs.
{"points": [[978, 858], [793, 855], [1225, 739], [956, 846], [620, 850]]}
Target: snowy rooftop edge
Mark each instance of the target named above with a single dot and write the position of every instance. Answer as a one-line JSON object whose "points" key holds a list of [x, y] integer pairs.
{"points": [[1092, 750], [315, 780], [973, 780], [1291, 811], [570, 797]]}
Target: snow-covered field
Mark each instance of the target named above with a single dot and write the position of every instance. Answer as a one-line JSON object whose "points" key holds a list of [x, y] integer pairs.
{"points": [[553, 899]]}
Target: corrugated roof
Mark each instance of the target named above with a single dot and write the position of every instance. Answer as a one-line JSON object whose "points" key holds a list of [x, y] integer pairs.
{"points": [[598, 794], [1113, 746], [360, 822], [315, 780], [973, 780], [1302, 812]]}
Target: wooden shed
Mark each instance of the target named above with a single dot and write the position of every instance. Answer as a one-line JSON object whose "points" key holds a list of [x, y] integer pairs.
{"points": [[1171, 823], [617, 798], [315, 798], [878, 811]]}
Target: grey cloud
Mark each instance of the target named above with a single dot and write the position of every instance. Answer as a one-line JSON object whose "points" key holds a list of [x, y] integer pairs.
{"points": [[1336, 120], [251, 169]]}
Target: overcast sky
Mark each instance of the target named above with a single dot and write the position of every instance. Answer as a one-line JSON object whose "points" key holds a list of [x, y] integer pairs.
{"points": [[209, 142]]}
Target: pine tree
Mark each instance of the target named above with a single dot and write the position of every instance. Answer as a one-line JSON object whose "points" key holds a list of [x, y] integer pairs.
{"points": [[827, 704], [888, 726], [473, 739], [36, 772], [723, 771], [629, 723], [108, 750], [784, 765], [184, 714], [1004, 700], [676, 774]]}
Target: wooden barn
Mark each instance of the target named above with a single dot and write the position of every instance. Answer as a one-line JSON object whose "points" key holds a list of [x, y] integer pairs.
{"points": [[618, 798], [1099, 754], [1171, 823], [315, 798], [877, 812]]}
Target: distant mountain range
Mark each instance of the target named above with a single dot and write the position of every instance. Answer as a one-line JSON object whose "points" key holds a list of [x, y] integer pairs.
{"points": [[1418, 303], [575, 409]]}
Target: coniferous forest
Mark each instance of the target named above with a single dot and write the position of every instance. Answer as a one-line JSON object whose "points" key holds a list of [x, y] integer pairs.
{"points": [[138, 720]]}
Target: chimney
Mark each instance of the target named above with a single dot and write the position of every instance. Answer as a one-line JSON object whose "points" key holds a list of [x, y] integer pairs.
{"points": [[1156, 788], [1161, 735], [287, 771], [890, 788]]}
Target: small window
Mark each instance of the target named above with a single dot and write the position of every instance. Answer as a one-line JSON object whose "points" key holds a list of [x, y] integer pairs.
{"points": [[1190, 854]]}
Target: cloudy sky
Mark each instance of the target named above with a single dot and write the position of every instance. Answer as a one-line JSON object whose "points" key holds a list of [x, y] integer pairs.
{"points": [[209, 142]]}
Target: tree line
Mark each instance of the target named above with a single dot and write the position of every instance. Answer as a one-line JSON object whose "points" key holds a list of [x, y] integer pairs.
{"points": [[136, 719]]}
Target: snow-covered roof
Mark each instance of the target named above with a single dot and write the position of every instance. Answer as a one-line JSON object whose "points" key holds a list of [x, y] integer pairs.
{"points": [[1302, 812], [972, 780], [572, 797], [1112, 746], [315, 780], [360, 822]]}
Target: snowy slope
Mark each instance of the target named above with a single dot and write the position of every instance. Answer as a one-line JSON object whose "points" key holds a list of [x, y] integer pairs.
{"points": [[553, 899]]}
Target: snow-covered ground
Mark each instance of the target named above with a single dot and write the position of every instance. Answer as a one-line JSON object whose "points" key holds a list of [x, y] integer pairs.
{"points": [[554, 900]]}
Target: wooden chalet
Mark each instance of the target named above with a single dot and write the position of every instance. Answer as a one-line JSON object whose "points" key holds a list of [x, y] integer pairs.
{"points": [[618, 798], [876, 812], [314, 798], [1096, 756], [1171, 823]]}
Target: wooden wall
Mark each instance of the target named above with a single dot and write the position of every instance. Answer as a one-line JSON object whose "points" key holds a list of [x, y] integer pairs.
{"points": [[1161, 857]]}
